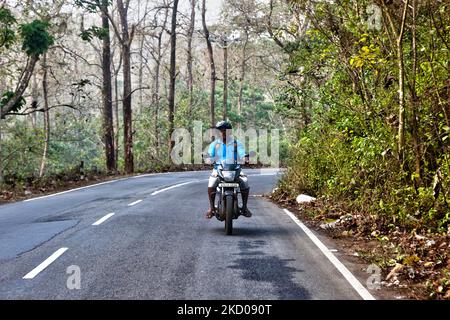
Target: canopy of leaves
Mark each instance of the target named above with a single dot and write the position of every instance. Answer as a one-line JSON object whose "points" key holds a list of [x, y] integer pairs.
{"points": [[36, 39], [92, 6], [341, 86], [7, 35], [8, 95], [89, 34]]}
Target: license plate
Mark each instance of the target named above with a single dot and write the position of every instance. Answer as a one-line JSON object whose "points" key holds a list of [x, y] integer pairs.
{"points": [[228, 185]]}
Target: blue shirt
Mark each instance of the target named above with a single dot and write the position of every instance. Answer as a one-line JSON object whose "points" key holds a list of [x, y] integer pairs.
{"points": [[221, 151]]}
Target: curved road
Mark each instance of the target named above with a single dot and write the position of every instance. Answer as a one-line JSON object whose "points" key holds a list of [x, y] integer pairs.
{"points": [[151, 241]]}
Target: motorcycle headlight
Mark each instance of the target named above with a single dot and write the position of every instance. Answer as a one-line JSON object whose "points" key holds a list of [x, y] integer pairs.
{"points": [[229, 176]]}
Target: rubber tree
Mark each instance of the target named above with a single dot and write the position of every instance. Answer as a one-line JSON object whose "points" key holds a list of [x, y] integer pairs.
{"points": [[190, 57], [103, 33], [172, 72], [211, 64]]}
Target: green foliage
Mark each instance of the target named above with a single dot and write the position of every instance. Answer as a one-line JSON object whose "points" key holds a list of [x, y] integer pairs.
{"points": [[36, 39], [7, 35], [8, 95], [73, 139], [340, 87], [92, 6], [256, 108], [89, 34]]}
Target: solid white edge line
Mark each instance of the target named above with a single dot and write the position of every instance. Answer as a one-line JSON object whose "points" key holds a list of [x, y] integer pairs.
{"points": [[134, 203], [33, 273], [174, 186], [106, 182], [67, 191], [100, 221], [362, 291]]}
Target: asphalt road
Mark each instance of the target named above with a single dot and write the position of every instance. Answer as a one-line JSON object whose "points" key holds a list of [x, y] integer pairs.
{"points": [[161, 247]]}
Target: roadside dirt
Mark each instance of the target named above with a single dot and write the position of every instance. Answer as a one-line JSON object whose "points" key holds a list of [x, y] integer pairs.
{"points": [[412, 266]]}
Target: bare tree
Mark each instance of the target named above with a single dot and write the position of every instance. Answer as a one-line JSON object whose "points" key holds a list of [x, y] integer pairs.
{"points": [[157, 55], [46, 115], [242, 72], [211, 64], [190, 57], [108, 127], [126, 37], [173, 48], [398, 34]]}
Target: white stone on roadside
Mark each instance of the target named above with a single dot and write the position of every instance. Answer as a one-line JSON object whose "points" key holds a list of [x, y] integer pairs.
{"points": [[430, 243], [346, 218], [330, 225], [28, 193], [303, 198], [419, 237]]}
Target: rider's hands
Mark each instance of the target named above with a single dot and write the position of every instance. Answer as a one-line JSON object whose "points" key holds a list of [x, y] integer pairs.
{"points": [[206, 158]]}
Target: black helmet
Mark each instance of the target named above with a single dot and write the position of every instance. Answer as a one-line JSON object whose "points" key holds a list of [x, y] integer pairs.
{"points": [[223, 125]]}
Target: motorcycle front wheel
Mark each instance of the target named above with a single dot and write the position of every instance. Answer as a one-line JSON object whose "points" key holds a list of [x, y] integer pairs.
{"points": [[229, 207]]}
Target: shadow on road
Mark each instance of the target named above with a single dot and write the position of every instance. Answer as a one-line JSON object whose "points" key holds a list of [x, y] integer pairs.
{"points": [[257, 265], [254, 231]]}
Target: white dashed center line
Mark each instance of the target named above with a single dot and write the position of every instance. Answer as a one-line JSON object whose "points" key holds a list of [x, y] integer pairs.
{"points": [[45, 264], [99, 222], [134, 203], [172, 187]]}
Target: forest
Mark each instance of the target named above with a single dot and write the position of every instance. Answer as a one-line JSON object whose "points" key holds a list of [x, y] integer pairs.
{"points": [[360, 91]]}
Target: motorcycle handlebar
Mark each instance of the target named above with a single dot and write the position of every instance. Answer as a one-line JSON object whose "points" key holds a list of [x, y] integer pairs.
{"points": [[211, 160]]}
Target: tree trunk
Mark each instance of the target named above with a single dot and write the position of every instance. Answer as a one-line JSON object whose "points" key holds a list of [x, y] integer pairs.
{"points": [[127, 111], [157, 97], [21, 87], [157, 92], [401, 98], [211, 64], [116, 111], [190, 57], [401, 87], [2, 89], [141, 74], [34, 102], [242, 75], [108, 127], [414, 102], [46, 116], [225, 82], [141, 60], [1, 157], [117, 123], [173, 50]]}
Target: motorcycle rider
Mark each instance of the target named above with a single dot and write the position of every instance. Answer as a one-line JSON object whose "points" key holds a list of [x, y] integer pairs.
{"points": [[223, 149]]}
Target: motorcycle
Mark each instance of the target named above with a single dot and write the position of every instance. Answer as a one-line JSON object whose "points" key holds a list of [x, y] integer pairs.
{"points": [[227, 206], [227, 192]]}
